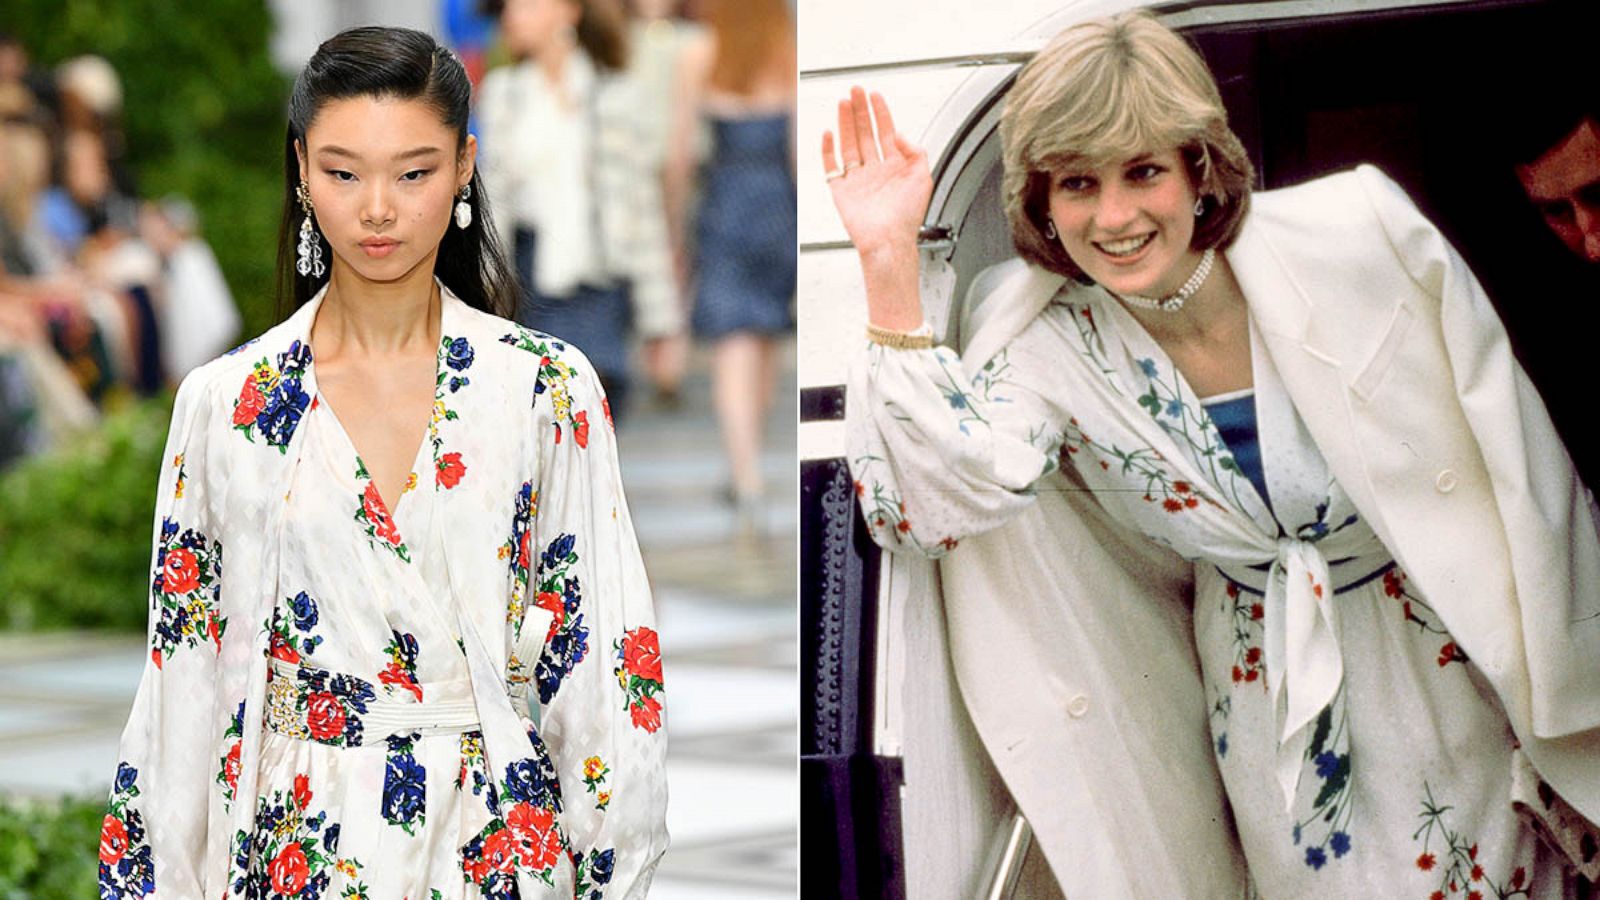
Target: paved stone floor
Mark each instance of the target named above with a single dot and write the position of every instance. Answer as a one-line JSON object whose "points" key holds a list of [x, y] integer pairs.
{"points": [[726, 605]]}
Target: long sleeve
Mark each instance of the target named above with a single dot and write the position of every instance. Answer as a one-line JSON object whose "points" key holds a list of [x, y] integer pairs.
{"points": [[599, 678], [153, 840], [938, 453]]}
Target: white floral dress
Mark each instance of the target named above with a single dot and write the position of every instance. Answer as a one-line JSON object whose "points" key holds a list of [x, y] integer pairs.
{"points": [[461, 697], [1361, 751]]}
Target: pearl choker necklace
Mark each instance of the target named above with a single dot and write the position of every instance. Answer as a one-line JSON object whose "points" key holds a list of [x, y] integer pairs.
{"points": [[1174, 302]]}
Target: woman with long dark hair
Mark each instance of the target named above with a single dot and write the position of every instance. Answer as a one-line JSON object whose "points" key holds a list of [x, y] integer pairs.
{"points": [[385, 530]]}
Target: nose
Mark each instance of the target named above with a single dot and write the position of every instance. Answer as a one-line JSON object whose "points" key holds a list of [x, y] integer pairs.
{"points": [[1115, 208], [377, 206]]}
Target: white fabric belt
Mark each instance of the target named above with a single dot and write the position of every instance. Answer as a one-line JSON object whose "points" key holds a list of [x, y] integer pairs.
{"points": [[391, 710]]}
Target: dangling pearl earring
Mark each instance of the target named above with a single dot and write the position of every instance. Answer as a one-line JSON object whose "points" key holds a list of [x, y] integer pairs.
{"points": [[464, 209], [1050, 229]]}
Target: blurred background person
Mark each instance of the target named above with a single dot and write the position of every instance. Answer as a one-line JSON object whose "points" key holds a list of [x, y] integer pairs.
{"points": [[199, 319], [657, 39], [562, 160], [741, 79]]}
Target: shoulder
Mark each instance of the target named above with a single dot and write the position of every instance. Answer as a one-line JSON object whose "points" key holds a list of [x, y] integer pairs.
{"points": [[540, 360], [1343, 205]]}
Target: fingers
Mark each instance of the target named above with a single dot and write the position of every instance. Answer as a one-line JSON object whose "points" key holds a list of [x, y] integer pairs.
{"points": [[905, 148], [849, 149], [862, 116], [887, 136], [830, 160]]}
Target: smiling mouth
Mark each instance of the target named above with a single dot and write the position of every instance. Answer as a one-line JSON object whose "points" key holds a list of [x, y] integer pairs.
{"points": [[1125, 247]]}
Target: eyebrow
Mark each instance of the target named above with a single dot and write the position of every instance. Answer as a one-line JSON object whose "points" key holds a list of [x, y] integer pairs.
{"points": [[332, 150]]}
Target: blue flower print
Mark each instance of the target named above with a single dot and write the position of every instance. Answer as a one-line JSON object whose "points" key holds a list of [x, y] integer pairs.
{"points": [[1327, 764], [603, 866], [283, 411], [405, 789], [533, 781], [558, 551], [1315, 858], [1175, 408], [305, 611], [126, 776], [1222, 744], [1339, 843], [1148, 367], [459, 355]]}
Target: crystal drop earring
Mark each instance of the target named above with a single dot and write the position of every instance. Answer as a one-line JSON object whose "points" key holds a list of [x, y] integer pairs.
{"points": [[308, 254]]}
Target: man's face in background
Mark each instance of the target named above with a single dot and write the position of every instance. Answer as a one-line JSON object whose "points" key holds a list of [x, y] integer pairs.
{"points": [[1564, 185]]}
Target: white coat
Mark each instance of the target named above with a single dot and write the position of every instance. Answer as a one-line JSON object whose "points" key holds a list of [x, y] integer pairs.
{"points": [[1094, 713]]}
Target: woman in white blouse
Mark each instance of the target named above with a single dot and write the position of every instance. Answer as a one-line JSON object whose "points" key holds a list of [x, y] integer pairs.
{"points": [[1261, 476]]}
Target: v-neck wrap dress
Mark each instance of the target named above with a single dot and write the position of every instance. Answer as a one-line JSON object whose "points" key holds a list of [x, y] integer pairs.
{"points": [[1361, 751], [460, 696]]}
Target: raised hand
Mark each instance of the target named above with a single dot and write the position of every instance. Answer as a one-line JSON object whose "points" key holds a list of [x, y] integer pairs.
{"points": [[881, 187], [880, 183]]}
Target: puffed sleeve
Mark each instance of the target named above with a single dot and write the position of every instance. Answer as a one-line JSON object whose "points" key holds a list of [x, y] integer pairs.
{"points": [[940, 451], [153, 839], [599, 678]]}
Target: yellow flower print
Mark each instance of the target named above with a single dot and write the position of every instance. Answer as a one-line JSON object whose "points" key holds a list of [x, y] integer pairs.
{"points": [[593, 767], [411, 483], [349, 868], [603, 800]]}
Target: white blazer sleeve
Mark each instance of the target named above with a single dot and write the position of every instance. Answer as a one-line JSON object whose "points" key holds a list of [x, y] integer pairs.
{"points": [[1555, 552]]}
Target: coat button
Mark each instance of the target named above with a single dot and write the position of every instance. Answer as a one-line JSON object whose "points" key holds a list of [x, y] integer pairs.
{"points": [[1078, 706], [1446, 482]]}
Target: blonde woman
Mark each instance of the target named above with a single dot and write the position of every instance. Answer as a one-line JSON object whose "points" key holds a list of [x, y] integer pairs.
{"points": [[1248, 515]]}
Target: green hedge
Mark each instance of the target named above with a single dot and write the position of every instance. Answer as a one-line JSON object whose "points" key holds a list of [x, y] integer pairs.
{"points": [[49, 851], [75, 528], [204, 114]]}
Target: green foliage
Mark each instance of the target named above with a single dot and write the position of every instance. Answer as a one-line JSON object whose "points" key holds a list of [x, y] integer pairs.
{"points": [[75, 528], [203, 113], [48, 851]]}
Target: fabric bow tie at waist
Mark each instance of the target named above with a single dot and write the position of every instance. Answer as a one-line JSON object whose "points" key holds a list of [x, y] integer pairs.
{"points": [[1304, 668], [341, 710]]}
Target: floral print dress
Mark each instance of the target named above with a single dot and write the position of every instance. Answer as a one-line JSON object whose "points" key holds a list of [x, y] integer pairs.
{"points": [[456, 696], [1361, 751]]}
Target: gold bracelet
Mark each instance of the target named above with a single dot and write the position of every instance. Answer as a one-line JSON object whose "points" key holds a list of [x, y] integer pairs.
{"points": [[898, 340]]}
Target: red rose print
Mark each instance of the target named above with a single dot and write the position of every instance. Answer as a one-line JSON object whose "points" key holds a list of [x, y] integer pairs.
{"points": [[1436, 895], [1238, 674], [646, 714], [1181, 487], [394, 674], [324, 716], [378, 515], [903, 526], [250, 402], [230, 766], [1446, 654], [605, 407], [282, 650], [302, 791], [1474, 895], [641, 654], [180, 574], [155, 656], [1425, 862], [500, 851], [1172, 505], [476, 869], [558, 610], [534, 828], [1257, 611], [113, 840], [1518, 877], [215, 630], [288, 870], [451, 468], [1252, 675], [1190, 502], [525, 550], [580, 428]]}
